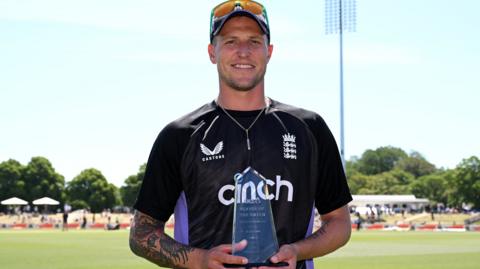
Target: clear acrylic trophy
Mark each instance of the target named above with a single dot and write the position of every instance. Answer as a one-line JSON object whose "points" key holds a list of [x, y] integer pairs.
{"points": [[253, 220]]}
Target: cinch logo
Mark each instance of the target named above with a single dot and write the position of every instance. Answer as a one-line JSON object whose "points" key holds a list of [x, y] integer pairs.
{"points": [[226, 194], [212, 154], [289, 147]]}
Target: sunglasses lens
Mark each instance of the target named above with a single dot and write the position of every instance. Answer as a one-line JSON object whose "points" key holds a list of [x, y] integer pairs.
{"points": [[219, 13], [227, 7], [253, 7], [223, 9]]}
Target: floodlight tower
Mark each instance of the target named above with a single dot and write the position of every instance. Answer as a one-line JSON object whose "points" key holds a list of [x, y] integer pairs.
{"points": [[340, 16]]}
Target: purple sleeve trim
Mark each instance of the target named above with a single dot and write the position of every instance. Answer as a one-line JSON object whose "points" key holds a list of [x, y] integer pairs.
{"points": [[309, 263], [180, 231]]}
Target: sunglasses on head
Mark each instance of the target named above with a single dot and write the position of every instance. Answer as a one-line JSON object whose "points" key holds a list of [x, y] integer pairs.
{"points": [[227, 7]]}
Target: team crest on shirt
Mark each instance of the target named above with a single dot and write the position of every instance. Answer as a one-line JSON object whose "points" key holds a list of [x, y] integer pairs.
{"points": [[212, 154], [289, 146]]}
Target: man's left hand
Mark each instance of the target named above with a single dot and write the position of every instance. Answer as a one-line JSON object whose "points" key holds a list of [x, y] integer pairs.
{"points": [[288, 254]]}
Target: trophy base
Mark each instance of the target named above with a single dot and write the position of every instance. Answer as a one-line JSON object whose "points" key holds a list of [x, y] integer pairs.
{"points": [[256, 264]]}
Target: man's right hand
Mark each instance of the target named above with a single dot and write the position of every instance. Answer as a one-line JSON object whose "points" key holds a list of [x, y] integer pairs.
{"points": [[216, 257]]}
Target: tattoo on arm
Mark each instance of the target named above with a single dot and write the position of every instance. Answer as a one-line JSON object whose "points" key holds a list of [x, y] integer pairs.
{"points": [[148, 240], [321, 231]]}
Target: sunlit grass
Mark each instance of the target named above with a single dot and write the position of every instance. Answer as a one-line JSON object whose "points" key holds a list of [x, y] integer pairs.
{"points": [[77, 249]]}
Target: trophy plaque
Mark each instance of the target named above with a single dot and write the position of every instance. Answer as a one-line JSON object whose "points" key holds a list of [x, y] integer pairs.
{"points": [[253, 220]]}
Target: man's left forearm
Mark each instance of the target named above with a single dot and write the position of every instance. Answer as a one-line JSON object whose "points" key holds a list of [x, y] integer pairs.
{"points": [[334, 233]]}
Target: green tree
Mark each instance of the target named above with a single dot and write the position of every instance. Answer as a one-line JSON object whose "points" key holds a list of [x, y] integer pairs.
{"points": [[416, 165], [130, 190], [434, 187], [11, 182], [358, 182], [465, 184], [391, 182], [381, 160], [92, 188], [42, 180]]}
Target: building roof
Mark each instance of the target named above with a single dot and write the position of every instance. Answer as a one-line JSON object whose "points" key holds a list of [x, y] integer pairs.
{"points": [[361, 200]]}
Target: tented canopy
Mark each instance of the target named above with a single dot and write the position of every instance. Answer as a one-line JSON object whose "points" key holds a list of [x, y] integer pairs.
{"points": [[14, 201], [45, 201]]}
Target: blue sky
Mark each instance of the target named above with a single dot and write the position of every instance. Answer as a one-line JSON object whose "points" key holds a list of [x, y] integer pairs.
{"points": [[91, 83]]}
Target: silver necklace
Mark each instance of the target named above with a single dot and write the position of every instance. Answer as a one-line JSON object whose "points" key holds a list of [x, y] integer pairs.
{"points": [[241, 126]]}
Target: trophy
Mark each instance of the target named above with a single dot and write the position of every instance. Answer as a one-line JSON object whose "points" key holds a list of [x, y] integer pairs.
{"points": [[253, 221]]}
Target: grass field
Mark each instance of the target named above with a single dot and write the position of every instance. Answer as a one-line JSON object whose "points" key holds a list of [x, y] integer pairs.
{"points": [[101, 249]]}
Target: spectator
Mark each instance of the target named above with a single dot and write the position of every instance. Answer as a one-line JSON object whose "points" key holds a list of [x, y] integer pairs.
{"points": [[84, 221], [65, 221]]}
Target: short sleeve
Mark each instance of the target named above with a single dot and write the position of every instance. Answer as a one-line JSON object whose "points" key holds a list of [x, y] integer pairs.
{"points": [[332, 188], [161, 185]]}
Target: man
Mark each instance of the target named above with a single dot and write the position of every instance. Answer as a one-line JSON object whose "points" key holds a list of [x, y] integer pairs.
{"points": [[193, 161], [66, 210]]}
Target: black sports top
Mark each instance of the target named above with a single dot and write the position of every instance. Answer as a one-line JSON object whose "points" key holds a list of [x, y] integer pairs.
{"points": [[193, 161]]}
